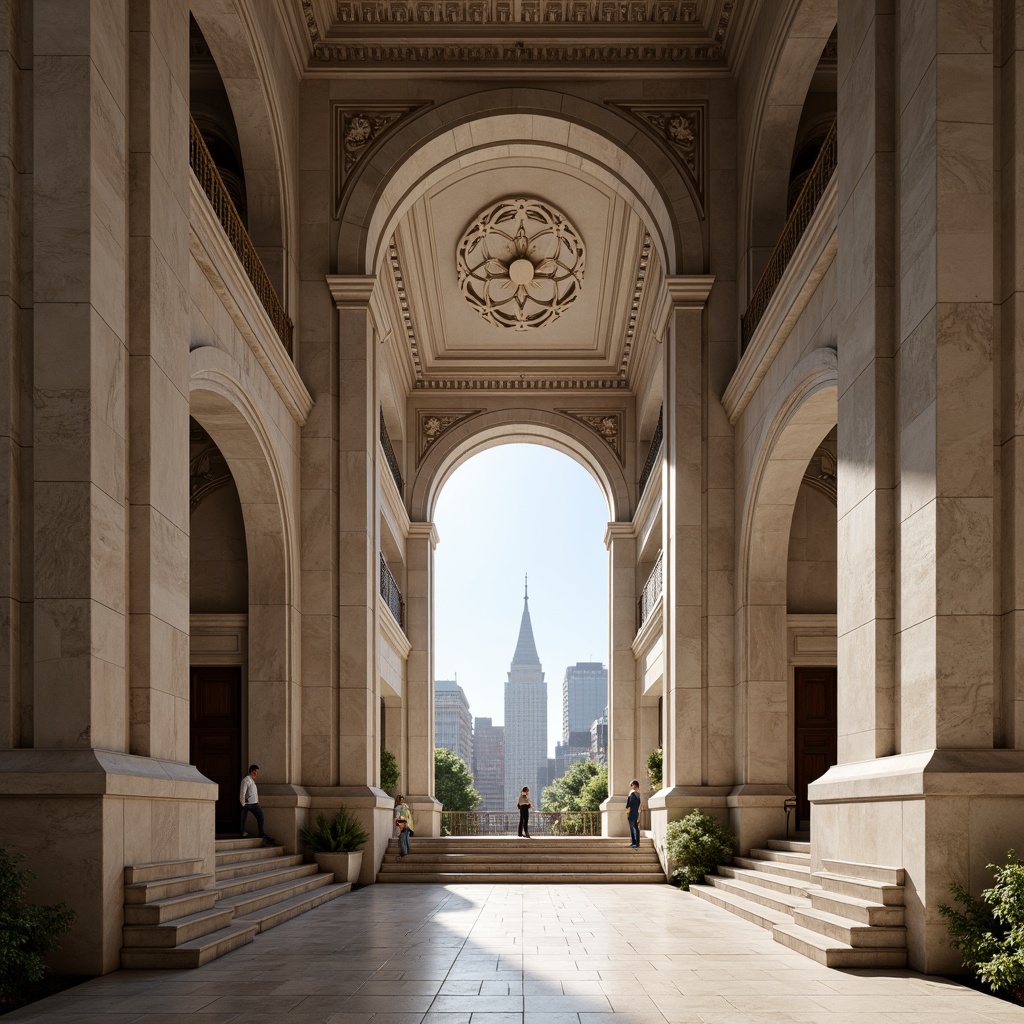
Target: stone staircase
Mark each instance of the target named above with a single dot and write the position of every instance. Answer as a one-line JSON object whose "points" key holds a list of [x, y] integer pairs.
{"points": [[175, 916], [848, 915], [544, 859]]}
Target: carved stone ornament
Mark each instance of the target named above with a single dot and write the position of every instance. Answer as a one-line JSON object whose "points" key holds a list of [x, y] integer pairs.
{"points": [[356, 130], [520, 264], [507, 12], [681, 130], [208, 469], [607, 426], [434, 424], [820, 474]]}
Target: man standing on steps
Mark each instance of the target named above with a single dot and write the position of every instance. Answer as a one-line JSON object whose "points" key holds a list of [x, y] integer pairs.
{"points": [[633, 814], [249, 798]]}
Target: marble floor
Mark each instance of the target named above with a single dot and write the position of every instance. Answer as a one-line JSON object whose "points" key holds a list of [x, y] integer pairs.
{"points": [[514, 954]]}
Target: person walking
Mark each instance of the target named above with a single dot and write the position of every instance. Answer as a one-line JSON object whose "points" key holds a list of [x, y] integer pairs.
{"points": [[403, 822], [633, 814], [524, 803], [249, 798]]}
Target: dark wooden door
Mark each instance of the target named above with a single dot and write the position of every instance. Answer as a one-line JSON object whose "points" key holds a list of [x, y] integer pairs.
{"points": [[216, 736], [815, 707]]}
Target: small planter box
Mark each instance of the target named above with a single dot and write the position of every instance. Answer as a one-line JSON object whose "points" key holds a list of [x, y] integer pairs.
{"points": [[345, 866]]}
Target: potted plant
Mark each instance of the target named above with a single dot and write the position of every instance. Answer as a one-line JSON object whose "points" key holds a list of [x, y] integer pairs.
{"points": [[334, 843]]}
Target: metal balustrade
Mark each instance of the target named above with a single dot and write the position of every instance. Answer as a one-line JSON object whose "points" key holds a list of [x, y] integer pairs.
{"points": [[503, 823], [800, 216], [391, 594], [216, 191], [389, 453], [651, 594], [653, 452]]}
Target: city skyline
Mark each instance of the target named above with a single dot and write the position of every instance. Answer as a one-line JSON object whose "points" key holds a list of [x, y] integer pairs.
{"points": [[510, 512]]}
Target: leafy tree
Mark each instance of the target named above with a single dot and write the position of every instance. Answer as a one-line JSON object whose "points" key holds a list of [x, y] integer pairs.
{"points": [[27, 931], [564, 794], [453, 782], [389, 773], [655, 760], [595, 792]]}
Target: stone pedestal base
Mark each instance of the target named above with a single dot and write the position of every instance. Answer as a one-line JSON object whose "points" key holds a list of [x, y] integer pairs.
{"points": [[426, 814], [80, 816], [941, 815], [757, 814]]}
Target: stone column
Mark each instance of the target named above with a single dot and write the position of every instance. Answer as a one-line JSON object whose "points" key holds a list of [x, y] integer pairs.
{"points": [[418, 711], [945, 803], [625, 758], [359, 462], [684, 543], [158, 374]]}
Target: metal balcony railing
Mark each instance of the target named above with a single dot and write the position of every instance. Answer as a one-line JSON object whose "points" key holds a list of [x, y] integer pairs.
{"points": [[213, 185], [651, 594], [391, 594], [800, 216], [653, 452], [389, 453], [506, 823]]}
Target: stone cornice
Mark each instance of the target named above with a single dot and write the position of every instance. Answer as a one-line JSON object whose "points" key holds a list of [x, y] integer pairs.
{"points": [[391, 631], [211, 249], [351, 291], [427, 531], [618, 531], [813, 256], [688, 291]]}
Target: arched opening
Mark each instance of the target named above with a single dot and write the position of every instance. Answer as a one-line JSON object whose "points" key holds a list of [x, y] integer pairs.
{"points": [[530, 661], [777, 540]]}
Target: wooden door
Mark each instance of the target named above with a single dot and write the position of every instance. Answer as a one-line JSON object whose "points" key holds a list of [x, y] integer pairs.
{"points": [[216, 736], [815, 714]]}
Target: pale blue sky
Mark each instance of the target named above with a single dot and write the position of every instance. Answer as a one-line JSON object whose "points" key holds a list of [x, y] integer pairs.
{"points": [[508, 511]]}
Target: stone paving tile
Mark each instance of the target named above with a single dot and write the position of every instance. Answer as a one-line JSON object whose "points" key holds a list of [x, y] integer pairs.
{"points": [[428, 954]]}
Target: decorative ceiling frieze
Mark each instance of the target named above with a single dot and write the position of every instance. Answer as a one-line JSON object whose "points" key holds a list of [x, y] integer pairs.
{"points": [[208, 470], [522, 383], [406, 313], [607, 426], [563, 35], [357, 130], [682, 131], [435, 423], [634, 306]]}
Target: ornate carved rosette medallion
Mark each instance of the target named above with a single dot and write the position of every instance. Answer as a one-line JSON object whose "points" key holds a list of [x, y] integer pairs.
{"points": [[607, 426], [520, 264], [435, 423]]}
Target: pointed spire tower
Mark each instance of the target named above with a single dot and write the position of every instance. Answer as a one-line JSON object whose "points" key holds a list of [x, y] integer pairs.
{"points": [[526, 716]]}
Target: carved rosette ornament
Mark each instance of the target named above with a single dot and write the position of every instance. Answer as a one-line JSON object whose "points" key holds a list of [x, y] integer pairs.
{"points": [[434, 424], [821, 471], [356, 131], [520, 264], [607, 426], [681, 131]]}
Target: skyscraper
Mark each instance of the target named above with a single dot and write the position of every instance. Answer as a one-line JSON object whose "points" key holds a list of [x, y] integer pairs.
{"points": [[453, 724], [489, 764], [584, 697], [526, 716]]}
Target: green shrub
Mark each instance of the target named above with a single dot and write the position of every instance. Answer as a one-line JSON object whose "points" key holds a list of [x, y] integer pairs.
{"points": [[389, 773], [697, 844], [27, 931], [989, 932], [340, 834], [655, 761]]}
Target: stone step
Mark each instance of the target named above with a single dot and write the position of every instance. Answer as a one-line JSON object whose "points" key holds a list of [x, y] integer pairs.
{"points": [[193, 953], [777, 883], [627, 861], [797, 857], [251, 883], [792, 845], [168, 910], [514, 878], [782, 903], [861, 888], [749, 910], [173, 933], [865, 872], [258, 867], [161, 870], [247, 853], [833, 953], [496, 845], [800, 872], [284, 910], [857, 910], [860, 936], [251, 903], [249, 843], [161, 889]]}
